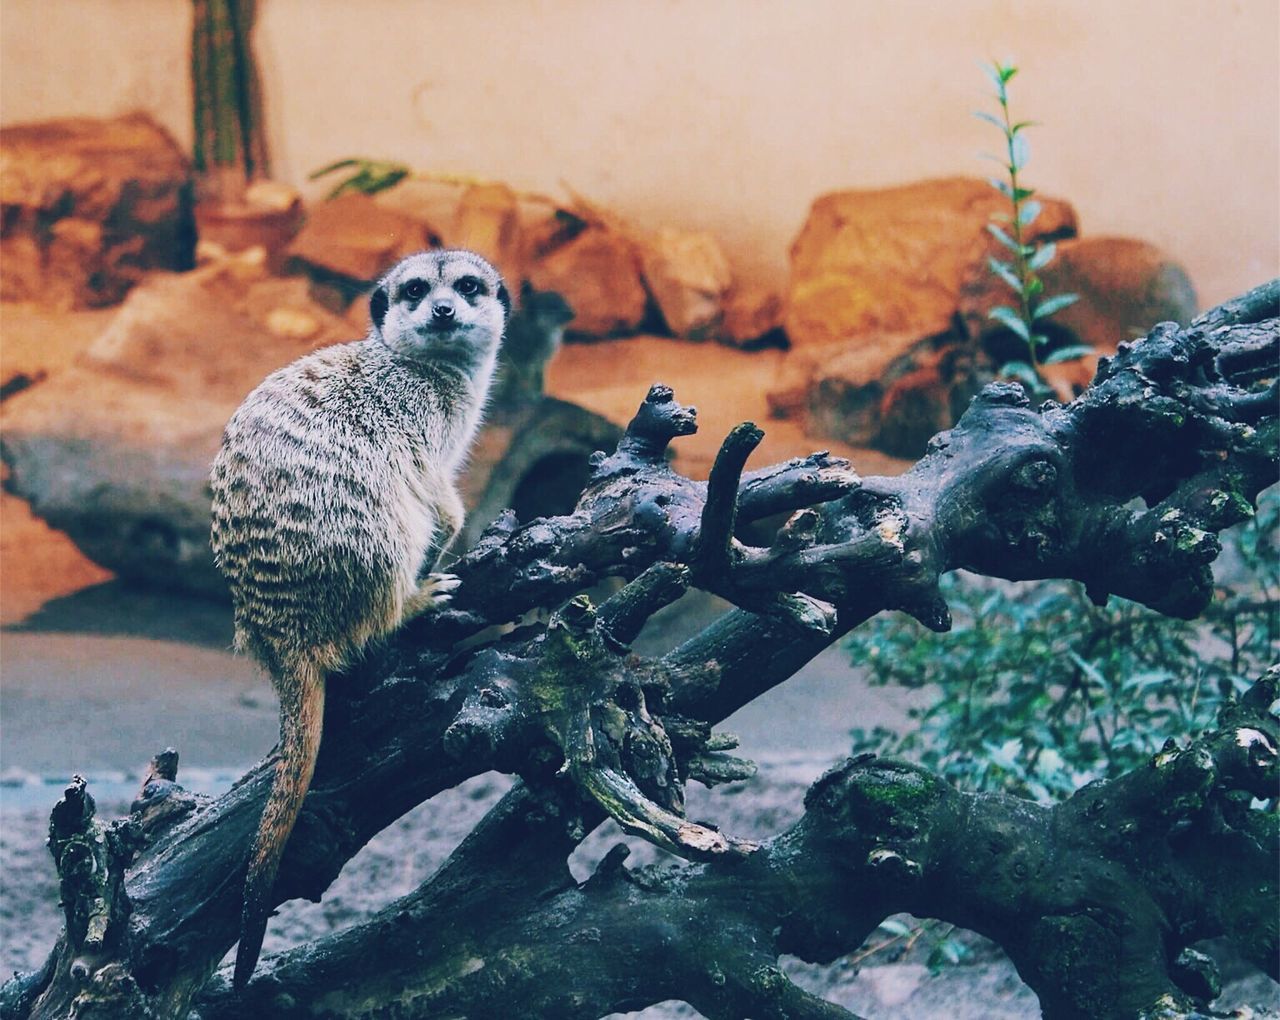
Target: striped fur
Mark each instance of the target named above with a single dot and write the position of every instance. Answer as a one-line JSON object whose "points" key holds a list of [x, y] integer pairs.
{"points": [[334, 495]]}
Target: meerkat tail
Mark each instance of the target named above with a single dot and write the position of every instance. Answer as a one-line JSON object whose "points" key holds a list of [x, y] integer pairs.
{"points": [[300, 728]]}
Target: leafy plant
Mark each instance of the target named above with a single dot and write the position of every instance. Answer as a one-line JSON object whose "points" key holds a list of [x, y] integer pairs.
{"points": [[1041, 692], [1026, 318], [370, 176]]}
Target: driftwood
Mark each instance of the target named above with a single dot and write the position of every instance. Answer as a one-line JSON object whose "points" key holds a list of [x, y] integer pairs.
{"points": [[1097, 900]]}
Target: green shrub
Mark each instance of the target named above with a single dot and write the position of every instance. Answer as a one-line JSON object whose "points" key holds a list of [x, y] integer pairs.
{"points": [[1040, 691]]}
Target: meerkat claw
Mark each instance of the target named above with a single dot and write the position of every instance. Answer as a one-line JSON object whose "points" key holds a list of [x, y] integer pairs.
{"points": [[444, 584], [435, 592]]}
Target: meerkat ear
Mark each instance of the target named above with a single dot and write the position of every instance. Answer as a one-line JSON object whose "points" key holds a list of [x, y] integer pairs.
{"points": [[378, 305], [505, 299]]}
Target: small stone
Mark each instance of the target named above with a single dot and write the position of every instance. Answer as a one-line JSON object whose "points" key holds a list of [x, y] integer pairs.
{"points": [[292, 324]]}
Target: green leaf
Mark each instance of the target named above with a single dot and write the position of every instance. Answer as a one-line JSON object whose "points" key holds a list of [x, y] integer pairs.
{"points": [[331, 168], [1034, 287], [1068, 354], [1006, 273], [895, 927], [990, 119], [1008, 317], [1087, 668], [1007, 72], [1001, 186], [945, 954], [1028, 212], [1023, 372], [1020, 193], [1054, 304], [1023, 124], [1019, 152], [1038, 340], [1000, 235], [1042, 257]]}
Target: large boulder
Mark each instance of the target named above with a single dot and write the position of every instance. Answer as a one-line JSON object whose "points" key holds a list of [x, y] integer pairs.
{"points": [[115, 449], [893, 260], [89, 208]]}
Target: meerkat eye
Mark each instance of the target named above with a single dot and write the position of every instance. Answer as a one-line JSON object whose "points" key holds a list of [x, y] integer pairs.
{"points": [[469, 286], [414, 290]]}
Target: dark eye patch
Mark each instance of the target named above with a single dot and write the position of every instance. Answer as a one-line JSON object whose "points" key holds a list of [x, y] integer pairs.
{"points": [[469, 286], [414, 290]]}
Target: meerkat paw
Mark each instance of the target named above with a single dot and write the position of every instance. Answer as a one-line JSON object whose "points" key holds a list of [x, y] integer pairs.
{"points": [[434, 592]]}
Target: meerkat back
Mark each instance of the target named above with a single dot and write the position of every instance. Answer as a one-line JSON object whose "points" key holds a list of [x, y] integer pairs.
{"points": [[333, 497]]}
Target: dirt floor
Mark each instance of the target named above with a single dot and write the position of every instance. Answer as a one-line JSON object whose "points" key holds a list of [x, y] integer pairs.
{"points": [[95, 677]]}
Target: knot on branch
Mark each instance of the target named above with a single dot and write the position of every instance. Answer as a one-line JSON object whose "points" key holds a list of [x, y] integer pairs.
{"points": [[600, 710], [91, 860], [658, 421], [879, 812]]}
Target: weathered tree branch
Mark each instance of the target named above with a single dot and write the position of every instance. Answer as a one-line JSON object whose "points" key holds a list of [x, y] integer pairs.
{"points": [[1125, 489], [1096, 898]]}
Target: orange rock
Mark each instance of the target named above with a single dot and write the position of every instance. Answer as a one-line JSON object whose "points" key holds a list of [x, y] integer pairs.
{"points": [[487, 221], [90, 207], [894, 259], [598, 273], [688, 275], [751, 313], [788, 397], [1125, 287], [354, 237]]}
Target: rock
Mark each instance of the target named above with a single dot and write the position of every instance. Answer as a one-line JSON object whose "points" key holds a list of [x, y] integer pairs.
{"points": [[532, 338], [89, 207], [598, 273], [115, 449], [752, 316], [788, 397], [1068, 379], [268, 217], [929, 396], [688, 276], [487, 221], [894, 259], [433, 203], [351, 240], [893, 394], [1125, 286]]}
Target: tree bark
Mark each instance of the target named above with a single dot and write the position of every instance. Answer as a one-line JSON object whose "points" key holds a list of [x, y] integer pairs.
{"points": [[1097, 900]]}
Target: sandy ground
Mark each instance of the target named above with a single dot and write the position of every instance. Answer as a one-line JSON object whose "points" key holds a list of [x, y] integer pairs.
{"points": [[95, 677]]}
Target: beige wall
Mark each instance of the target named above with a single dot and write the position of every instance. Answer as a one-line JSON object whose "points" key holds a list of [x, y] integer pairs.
{"points": [[1160, 117]]}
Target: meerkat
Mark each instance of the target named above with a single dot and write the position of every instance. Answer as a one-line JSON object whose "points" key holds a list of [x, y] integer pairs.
{"points": [[334, 495]]}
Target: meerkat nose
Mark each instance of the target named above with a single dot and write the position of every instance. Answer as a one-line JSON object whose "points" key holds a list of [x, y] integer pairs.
{"points": [[442, 311]]}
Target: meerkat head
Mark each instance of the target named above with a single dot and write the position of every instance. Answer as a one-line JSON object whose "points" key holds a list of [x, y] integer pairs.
{"points": [[444, 306]]}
